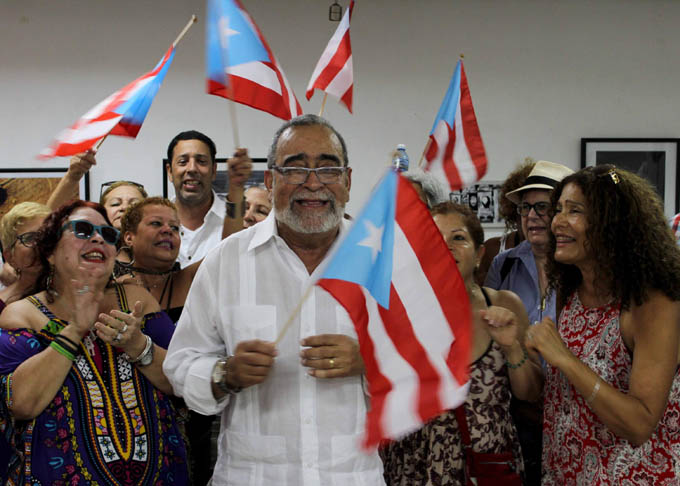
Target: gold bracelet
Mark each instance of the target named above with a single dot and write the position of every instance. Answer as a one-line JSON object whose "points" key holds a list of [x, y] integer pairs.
{"points": [[593, 394]]}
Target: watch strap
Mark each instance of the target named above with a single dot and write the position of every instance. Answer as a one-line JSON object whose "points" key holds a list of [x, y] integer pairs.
{"points": [[232, 208]]}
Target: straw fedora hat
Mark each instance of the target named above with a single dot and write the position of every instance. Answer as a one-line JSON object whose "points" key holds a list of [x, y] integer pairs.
{"points": [[545, 175]]}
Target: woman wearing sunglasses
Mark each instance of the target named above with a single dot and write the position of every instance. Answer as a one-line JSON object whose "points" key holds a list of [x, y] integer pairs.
{"points": [[115, 196], [18, 231], [82, 390]]}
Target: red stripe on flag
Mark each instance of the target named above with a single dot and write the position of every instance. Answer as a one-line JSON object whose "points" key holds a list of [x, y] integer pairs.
{"points": [[347, 98], [448, 162], [352, 298], [473, 138], [432, 150], [336, 63], [441, 271]]}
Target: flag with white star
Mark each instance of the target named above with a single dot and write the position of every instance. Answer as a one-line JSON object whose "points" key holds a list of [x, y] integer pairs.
{"points": [[397, 280]]}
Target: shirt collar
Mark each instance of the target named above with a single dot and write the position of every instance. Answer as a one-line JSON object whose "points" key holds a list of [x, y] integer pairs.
{"points": [[218, 207]]}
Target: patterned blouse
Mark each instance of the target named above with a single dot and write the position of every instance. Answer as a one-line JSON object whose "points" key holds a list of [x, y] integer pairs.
{"points": [[107, 425], [578, 449]]}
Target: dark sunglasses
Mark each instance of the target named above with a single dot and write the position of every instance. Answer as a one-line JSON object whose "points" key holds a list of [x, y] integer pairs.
{"points": [[28, 239], [106, 185], [540, 207], [84, 230]]}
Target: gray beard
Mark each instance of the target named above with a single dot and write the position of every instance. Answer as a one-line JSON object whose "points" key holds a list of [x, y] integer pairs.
{"points": [[308, 224]]}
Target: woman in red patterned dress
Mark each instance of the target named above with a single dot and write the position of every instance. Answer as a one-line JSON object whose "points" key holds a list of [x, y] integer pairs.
{"points": [[612, 388]]}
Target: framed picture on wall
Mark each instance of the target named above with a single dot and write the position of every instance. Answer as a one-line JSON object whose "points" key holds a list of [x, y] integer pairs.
{"points": [[482, 198], [221, 182], [655, 159], [21, 185]]}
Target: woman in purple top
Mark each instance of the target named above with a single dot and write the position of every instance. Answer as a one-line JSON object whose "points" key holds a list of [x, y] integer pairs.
{"points": [[83, 398]]}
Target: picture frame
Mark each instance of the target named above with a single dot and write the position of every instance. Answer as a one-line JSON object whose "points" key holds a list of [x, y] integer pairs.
{"points": [[655, 159], [34, 184], [221, 182], [483, 199]]}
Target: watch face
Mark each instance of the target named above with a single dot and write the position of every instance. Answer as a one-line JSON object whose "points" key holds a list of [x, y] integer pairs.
{"points": [[218, 371], [148, 358]]}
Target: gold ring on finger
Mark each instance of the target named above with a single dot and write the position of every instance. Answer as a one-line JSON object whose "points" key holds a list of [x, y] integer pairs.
{"points": [[331, 362]]}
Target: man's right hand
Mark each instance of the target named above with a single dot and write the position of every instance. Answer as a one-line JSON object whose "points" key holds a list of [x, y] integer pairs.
{"points": [[80, 164], [251, 363]]}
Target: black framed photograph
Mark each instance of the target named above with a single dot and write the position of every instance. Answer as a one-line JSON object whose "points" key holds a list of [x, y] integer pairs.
{"points": [[21, 185], [655, 159], [221, 182], [483, 199]]}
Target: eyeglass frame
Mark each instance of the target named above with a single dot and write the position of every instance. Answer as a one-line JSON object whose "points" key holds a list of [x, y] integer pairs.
{"points": [[20, 238], [110, 183], [534, 206], [95, 227], [308, 171]]}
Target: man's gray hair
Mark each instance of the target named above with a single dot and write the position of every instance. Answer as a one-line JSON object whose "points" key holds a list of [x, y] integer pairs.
{"points": [[435, 192], [304, 121]]}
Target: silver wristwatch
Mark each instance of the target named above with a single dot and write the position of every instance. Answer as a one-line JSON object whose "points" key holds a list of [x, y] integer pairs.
{"points": [[219, 376]]}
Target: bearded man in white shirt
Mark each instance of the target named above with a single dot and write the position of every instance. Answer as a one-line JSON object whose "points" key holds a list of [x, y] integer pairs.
{"points": [[292, 413], [204, 218]]}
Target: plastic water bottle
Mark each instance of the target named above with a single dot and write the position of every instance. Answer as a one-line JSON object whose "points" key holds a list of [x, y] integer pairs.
{"points": [[400, 160]]}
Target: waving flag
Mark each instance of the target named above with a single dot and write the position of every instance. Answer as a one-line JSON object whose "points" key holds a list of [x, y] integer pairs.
{"points": [[396, 278], [333, 73], [456, 152], [122, 114], [235, 46]]}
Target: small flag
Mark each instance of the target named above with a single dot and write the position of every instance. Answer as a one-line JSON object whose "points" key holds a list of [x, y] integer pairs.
{"points": [[240, 66], [121, 114], [456, 151], [399, 283], [333, 73], [675, 226]]}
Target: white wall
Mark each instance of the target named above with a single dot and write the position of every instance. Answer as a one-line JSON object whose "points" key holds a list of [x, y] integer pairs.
{"points": [[542, 74]]}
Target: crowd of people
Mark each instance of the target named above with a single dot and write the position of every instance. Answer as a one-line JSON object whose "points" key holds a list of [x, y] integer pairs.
{"points": [[141, 338]]}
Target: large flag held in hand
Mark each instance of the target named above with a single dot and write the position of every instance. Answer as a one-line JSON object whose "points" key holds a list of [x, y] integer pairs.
{"points": [[333, 73], [240, 66], [122, 114], [396, 278], [456, 152]]}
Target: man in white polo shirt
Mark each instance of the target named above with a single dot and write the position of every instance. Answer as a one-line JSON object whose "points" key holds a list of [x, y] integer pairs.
{"points": [[192, 169]]}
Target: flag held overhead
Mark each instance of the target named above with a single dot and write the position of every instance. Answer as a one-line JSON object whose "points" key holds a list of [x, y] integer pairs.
{"points": [[240, 66], [334, 72], [397, 280], [455, 152]]}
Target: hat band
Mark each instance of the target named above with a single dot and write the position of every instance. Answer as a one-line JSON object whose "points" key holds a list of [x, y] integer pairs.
{"points": [[540, 180]]}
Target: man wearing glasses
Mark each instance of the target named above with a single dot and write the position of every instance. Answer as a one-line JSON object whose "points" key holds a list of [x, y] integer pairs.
{"points": [[292, 411], [191, 170]]}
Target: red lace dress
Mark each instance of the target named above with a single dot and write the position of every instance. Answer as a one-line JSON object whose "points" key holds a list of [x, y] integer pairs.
{"points": [[578, 449]]}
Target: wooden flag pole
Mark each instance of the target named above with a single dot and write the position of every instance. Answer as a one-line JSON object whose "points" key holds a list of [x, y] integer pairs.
{"points": [[323, 103], [234, 123], [427, 147], [293, 314], [186, 28]]}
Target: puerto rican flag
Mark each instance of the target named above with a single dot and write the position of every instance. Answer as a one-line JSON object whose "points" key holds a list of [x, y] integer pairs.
{"points": [[240, 66], [121, 114], [334, 73], [675, 226], [396, 278], [456, 152]]}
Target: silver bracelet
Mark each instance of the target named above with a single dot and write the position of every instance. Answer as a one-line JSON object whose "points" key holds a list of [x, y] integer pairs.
{"points": [[593, 394], [143, 356]]}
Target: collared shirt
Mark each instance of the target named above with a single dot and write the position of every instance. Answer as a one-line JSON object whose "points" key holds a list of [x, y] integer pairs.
{"points": [[522, 279], [197, 243], [292, 429]]}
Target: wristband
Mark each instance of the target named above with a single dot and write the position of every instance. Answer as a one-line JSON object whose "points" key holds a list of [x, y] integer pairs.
{"points": [[232, 208], [59, 349]]}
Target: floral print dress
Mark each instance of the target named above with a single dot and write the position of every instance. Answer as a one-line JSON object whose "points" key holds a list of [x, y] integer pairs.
{"points": [[578, 449]]}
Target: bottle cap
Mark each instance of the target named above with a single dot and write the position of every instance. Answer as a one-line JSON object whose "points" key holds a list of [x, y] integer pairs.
{"points": [[401, 146]]}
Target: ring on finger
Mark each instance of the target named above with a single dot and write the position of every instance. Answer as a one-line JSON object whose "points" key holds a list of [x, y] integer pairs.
{"points": [[125, 328], [331, 362], [117, 338]]}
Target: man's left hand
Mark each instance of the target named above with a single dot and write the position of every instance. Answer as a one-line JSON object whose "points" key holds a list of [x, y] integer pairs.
{"points": [[239, 168], [331, 356]]}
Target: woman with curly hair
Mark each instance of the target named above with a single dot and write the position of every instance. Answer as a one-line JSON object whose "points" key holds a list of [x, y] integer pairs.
{"points": [[612, 389]]}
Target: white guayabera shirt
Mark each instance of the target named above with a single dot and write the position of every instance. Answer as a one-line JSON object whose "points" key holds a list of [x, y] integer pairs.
{"points": [[197, 243], [292, 429]]}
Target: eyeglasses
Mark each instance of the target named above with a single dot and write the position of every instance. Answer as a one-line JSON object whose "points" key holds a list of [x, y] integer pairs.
{"points": [[28, 239], [299, 175], [541, 208], [106, 185], [84, 230]]}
